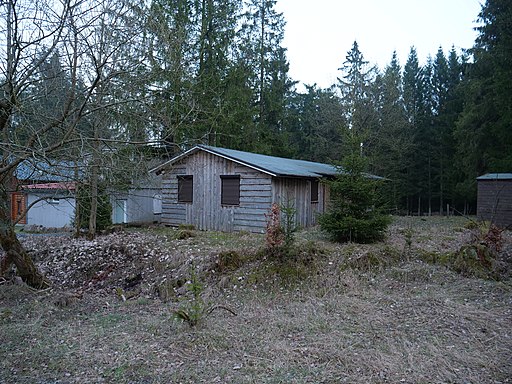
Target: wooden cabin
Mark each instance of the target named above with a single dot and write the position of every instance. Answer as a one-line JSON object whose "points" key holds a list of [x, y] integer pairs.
{"points": [[494, 201], [227, 190]]}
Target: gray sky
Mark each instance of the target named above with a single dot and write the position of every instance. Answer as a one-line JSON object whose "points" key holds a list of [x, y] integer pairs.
{"points": [[319, 33]]}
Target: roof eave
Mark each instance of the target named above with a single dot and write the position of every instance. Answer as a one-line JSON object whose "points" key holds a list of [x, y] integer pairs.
{"points": [[208, 150], [246, 164], [159, 168]]}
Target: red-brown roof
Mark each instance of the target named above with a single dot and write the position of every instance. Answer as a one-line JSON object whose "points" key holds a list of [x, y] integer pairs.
{"points": [[68, 186]]}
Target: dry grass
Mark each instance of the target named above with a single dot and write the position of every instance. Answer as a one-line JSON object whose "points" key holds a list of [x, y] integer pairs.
{"points": [[402, 322]]}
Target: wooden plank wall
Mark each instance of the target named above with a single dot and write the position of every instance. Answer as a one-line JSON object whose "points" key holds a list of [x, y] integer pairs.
{"points": [[206, 211], [172, 213], [255, 200], [495, 201], [298, 193]]}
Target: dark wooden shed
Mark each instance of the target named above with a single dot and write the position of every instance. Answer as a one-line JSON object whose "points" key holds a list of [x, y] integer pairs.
{"points": [[227, 190], [495, 198]]}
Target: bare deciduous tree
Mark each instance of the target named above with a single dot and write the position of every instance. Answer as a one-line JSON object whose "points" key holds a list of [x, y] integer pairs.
{"points": [[91, 41]]}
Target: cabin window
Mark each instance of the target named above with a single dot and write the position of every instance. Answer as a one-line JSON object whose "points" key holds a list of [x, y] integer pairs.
{"points": [[314, 191], [230, 190], [185, 188]]}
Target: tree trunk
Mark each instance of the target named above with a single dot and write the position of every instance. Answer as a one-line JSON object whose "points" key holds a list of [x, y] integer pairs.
{"points": [[441, 187], [78, 218], [94, 203], [429, 188], [93, 213], [14, 251]]}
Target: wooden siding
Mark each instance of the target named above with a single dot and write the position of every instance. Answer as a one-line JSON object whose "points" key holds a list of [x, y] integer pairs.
{"points": [[206, 211], [18, 207], [495, 201], [297, 193]]}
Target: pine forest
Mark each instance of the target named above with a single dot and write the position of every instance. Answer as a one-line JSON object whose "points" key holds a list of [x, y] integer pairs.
{"points": [[150, 79]]}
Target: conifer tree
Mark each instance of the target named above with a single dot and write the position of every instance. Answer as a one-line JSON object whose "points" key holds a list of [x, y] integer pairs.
{"points": [[356, 101], [483, 132], [313, 125], [392, 144], [261, 44], [354, 212]]}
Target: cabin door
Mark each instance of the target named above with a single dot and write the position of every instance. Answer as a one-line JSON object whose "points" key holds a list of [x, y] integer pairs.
{"points": [[18, 207], [119, 211]]}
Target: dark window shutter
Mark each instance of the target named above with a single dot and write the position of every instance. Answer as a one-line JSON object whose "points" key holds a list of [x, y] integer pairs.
{"points": [[230, 191], [314, 191], [185, 189]]}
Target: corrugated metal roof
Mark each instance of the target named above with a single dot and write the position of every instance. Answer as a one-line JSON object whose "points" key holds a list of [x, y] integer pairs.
{"points": [[274, 166], [495, 176], [44, 171]]}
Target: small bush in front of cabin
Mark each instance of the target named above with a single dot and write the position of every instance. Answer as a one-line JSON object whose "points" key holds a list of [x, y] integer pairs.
{"points": [[185, 231], [280, 239], [299, 264], [474, 260], [287, 260], [355, 212], [289, 227], [274, 234]]}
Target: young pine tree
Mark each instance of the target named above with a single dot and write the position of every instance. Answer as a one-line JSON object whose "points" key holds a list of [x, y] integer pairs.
{"points": [[355, 212]]}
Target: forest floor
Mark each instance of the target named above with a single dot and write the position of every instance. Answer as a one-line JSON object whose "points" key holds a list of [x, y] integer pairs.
{"points": [[393, 312]]}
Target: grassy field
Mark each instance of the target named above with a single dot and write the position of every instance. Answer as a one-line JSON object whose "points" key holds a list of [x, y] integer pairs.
{"points": [[342, 313]]}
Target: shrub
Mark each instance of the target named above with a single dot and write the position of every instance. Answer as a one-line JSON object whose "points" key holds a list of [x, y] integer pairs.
{"points": [[274, 234], [193, 310], [373, 260], [280, 239], [355, 211]]}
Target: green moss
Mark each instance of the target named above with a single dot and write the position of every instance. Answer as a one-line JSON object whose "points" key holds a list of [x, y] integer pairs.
{"points": [[372, 260], [471, 260], [186, 227], [474, 260], [299, 264], [435, 257]]}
